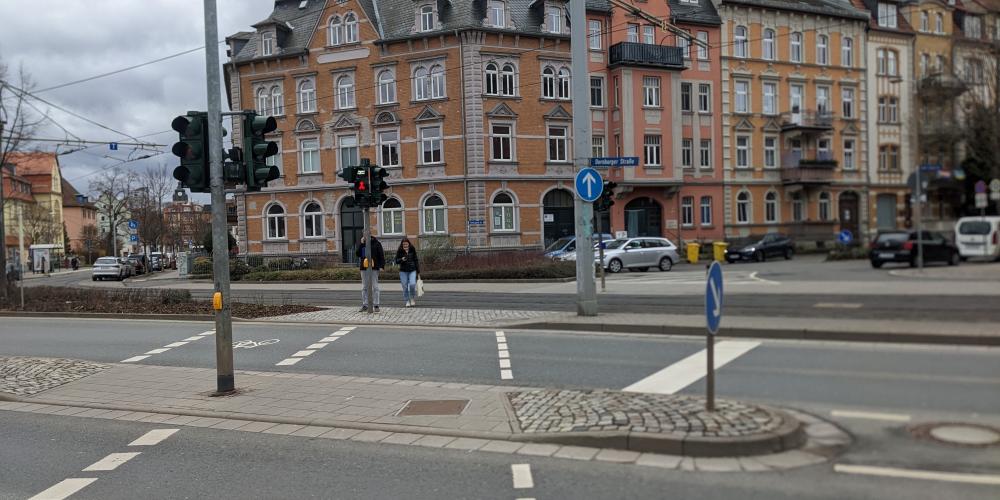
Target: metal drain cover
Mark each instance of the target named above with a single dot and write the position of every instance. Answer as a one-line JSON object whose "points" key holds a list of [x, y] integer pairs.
{"points": [[965, 434], [433, 407]]}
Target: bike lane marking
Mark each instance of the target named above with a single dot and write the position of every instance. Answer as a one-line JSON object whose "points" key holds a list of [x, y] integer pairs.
{"points": [[300, 355], [503, 353], [136, 359]]}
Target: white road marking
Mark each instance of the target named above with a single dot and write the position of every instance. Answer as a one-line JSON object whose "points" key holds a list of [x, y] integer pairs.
{"points": [[348, 328], [506, 375], [319, 345], [176, 344], [210, 332], [500, 333], [888, 417], [159, 351], [522, 476], [754, 277], [192, 339], [288, 362], [153, 437], [504, 354], [691, 369], [955, 477], [111, 462], [329, 339], [303, 353], [504, 363], [838, 305], [502, 346], [298, 356], [133, 359], [63, 489]]}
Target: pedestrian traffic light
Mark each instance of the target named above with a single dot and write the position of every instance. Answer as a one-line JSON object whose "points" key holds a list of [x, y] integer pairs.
{"points": [[379, 186], [257, 149], [194, 171], [603, 204]]}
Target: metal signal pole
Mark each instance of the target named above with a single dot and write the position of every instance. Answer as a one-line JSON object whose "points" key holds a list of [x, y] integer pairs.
{"points": [[369, 254], [586, 289]]}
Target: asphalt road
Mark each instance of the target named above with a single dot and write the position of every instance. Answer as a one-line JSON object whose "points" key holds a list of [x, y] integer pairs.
{"points": [[39, 451]]}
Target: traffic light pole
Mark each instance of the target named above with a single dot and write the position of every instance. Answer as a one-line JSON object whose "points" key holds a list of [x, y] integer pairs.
{"points": [[586, 289], [225, 381]]}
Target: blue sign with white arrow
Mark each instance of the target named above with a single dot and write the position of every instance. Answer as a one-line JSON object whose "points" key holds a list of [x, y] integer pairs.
{"points": [[845, 236], [589, 184], [133, 224], [713, 298]]}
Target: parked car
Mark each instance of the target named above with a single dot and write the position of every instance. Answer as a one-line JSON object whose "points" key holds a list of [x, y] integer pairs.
{"points": [[109, 267], [128, 265], [901, 246], [139, 262], [639, 254], [571, 256], [567, 244], [760, 248], [978, 237]]}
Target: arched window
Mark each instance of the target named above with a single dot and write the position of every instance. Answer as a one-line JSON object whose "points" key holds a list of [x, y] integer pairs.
{"points": [[262, 101], [798, 208], [345, 92], [350, 28], [422, 82], [492, 79], [307, 97], [939, 23], [277, 103], [743, 208], [434, 211], [564, 83], [740, 41], [503, 212], [795, 47], [392, 217], [847, 52], [768, 44], [822, 49], [334, 32], [824, 206], [925, 24], [275, 223], [507, 80], [386, 87], [437, 81], [312, 221], [549, 82], [771, 207]]}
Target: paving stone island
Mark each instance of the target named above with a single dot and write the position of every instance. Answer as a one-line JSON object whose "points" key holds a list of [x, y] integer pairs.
{"points": [[25, 376], [416, 316], [655, 422]]}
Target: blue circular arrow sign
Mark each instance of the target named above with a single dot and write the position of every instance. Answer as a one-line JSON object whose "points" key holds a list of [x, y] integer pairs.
{"points": [[713, 298], [589, 184]]}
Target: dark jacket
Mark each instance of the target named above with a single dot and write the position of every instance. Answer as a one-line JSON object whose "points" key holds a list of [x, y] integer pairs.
{"points": [[379, 254], [408, 261]]}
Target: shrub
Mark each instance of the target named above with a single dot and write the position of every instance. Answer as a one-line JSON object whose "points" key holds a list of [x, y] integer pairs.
{"points": [[168, 297], [279, 264], [434, 251], [847, 253], [238, 268], [255, 261], [202, 265]]}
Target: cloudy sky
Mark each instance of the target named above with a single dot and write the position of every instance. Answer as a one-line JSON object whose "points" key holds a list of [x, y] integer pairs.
{"points": [[60, 41]]}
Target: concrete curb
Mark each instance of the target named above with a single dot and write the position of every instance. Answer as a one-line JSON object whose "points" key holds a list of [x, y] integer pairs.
{"points": [[356, 282], [782, 334]]}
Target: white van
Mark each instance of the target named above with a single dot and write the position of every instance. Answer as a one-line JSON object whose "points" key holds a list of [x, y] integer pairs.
{"points": [[978, 237]]}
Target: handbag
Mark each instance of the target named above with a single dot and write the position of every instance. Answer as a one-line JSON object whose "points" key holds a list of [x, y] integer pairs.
{"points": [[420, 287]]}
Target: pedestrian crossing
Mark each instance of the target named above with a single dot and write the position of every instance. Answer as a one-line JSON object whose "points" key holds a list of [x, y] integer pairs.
{"points": [[693, 278]]}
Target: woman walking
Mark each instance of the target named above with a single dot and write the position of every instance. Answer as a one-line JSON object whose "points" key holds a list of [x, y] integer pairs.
{"points": [[409, 268]]}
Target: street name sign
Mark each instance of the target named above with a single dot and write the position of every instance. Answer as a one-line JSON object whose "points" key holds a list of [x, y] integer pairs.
{"points": [[615, 161], [589, 184]]}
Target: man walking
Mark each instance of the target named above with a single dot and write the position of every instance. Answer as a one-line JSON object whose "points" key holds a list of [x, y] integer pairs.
{"points": [[371, 263]]}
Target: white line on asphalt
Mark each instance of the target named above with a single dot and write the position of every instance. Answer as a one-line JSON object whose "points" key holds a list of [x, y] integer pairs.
{"points": [[318, 345], [504, 363], [153, 437], [192, 339], [506, 375], [210, 332], [504, 354], [838, 305], [303, 353], [133, 359], [159, 351], [64, 489], [295, 358], [889, 417], [176, 344], [691, 369], [329, 339], [111, 462], [348, 328], [522, 476], [288, 362], [502, 346], [754, 276], [955, 477]]}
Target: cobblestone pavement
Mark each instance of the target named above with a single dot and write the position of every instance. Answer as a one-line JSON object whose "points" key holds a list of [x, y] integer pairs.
{"points": [[414, 316], [24, 376], [583, 411]]}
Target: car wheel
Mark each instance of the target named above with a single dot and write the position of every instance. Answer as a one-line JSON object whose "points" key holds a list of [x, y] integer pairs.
{"points": [[615, 266], [759, 256], [789, 253], [666, 264], [731, 261], [955, 259], [876, 264], [913, 262]]}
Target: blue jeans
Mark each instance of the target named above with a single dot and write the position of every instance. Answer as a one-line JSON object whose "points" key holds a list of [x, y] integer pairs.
{"points": [[409, 282]]}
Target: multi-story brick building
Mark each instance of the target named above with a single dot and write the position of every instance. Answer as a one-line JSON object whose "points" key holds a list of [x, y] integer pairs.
{"points": [[794, 118], [468, 105], [17, 198]]}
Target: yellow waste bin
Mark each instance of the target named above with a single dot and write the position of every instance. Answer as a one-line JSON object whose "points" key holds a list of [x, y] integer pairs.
{"points": [[693, 250], [719, 250]]}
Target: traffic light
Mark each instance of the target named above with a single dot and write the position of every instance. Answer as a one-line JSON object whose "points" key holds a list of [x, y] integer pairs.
{"points": [[379, 186], [256, 150], [362, 186], [194, 171], [603, 204]]}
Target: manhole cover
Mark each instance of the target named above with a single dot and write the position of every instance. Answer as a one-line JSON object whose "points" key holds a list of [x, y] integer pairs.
{"points": [[965, 434], [433, 407]]}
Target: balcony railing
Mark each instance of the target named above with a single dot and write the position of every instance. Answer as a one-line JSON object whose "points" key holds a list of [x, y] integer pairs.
{"points": [[796, 169], [818, 120], [646, 54]]}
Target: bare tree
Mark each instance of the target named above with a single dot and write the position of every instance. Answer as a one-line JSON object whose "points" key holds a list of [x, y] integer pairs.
{"points": [[90, 237], [981, 112], [146, 206], [114, 190], [40, 224]]}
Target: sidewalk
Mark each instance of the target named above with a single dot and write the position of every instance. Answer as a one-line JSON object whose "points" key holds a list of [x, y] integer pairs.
{"points": [[625, 426]]}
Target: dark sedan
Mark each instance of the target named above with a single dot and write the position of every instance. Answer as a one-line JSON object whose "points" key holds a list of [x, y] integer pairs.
{"points": [[760, 248], [901, 246]]}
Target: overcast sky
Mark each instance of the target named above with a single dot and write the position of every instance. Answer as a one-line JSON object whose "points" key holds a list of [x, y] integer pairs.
{"points": [[59, 41]]}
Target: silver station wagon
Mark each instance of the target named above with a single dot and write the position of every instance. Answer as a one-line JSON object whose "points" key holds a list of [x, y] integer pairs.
{"points": [[639, 254]]}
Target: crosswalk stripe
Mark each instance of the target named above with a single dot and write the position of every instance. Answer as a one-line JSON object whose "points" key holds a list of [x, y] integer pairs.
{"points": [[522, 476], [65, 488], [691, 369]]}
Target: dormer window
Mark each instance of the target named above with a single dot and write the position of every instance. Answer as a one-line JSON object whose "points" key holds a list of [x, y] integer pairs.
{"points": [[334, 31], [267, 43], [427, 18], [973, 27], [553, 18], [495, 14], [887, 15], [350, 28]]}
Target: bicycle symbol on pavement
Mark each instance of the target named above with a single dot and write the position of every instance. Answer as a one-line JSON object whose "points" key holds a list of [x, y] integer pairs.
{"points": [[250, 344]]}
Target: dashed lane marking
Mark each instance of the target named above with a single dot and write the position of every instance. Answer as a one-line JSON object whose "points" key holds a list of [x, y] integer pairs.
{"points": [[288, 362], [153, 437], [176, 344], [111, 462], [503, 354], [299, 356], [135, 359], [954, 477], [65, 488], [522, 476], [838, 305], [888, 417], [691, 369]]}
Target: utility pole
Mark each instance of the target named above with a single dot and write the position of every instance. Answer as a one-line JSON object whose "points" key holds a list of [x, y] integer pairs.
{"points": [[586, 288], [225, 381], [369, 254], [3, 221], [20, 254], [920, 219]]}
